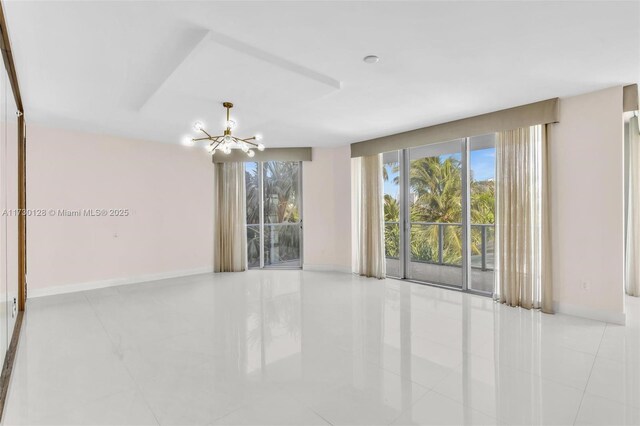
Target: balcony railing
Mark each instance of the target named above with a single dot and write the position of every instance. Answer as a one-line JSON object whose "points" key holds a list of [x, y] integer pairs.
{"points": [[439, 251], [281, 244]]}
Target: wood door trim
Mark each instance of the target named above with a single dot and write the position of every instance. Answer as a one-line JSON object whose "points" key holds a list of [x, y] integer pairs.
{"points": [[9, 360], [7, 57]]}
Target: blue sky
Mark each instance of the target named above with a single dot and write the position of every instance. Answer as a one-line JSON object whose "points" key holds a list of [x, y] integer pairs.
{"points": [[250, 167], [482, 166]]}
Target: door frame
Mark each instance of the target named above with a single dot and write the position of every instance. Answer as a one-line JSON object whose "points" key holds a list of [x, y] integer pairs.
{"points": [[260, 171], [404, 225]]}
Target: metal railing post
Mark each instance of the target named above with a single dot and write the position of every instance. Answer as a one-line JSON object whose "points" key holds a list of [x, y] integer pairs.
{"points": [[483, 246], [440, 242]]}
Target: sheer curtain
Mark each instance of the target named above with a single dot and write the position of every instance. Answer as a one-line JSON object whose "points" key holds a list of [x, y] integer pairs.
{"points": [[633, 212], [230, 234], [368, 216], [522, 232]]}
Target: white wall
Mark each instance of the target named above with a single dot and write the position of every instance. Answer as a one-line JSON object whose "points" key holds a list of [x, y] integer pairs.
{"points": [[167, 188], [587, 189], [327, 210]]}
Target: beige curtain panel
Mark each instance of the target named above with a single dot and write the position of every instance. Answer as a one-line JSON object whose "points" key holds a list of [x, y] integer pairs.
{"points": [[632, 278], [368, 216], [230, 235], [522, 234]]}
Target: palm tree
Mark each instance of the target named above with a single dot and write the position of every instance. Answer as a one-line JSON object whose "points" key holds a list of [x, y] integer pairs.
{"points": [[392, 230], [280, 185], [437, 187], [252, 185], [281, 190]]}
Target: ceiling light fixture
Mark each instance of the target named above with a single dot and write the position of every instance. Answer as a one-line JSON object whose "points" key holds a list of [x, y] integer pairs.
{"points": [[371, 59], [226, 142]]}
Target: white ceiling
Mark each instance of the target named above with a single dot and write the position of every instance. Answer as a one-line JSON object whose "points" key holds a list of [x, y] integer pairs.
{"points": [[148, 70]]}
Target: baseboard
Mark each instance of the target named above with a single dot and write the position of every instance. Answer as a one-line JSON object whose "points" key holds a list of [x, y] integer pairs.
{"points": [[590, 313], [326, 268], [92, 285]]}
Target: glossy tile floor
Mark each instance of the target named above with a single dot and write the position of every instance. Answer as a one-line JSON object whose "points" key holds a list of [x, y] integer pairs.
{"points": [[309, 348]]}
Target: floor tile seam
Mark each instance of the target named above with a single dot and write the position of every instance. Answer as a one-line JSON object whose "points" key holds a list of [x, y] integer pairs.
{"points": [[411, 405], [247, 404], [136, 385], [615, 401], [324, 419], [451, 371], [493, 416], [575, 418], [614, 360], [140, 391], [540, 376], [574, 349]]}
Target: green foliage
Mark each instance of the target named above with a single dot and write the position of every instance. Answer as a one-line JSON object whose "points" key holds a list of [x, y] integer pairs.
{"points": [[436, 197], [280, 185]]}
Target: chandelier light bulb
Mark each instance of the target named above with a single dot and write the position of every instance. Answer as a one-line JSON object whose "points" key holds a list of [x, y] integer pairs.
{"points": [[231, 124], [187, 141], [260, 147], [244, 147], [228, 139], [227, 150], [210, 148], [251, 153], [197, 126], [258, 137]]}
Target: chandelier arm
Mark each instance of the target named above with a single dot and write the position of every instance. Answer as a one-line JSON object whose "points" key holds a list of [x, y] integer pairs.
{"points": [[205, 132], [227, 140]]}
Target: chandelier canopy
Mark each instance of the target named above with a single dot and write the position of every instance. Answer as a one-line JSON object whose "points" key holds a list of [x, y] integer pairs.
{"points": [[226, 142]]}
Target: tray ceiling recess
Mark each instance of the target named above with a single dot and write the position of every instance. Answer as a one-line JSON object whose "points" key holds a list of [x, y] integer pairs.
{"points": [[271, 85]]}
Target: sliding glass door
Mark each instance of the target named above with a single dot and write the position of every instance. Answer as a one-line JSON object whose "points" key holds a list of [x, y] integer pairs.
{"points": [[482, 198], [439, 206], [274, 214], [435, 213], [392, 213], [253, 182]]}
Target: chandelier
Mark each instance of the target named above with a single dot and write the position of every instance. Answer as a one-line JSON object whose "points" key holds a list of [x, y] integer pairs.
{"points": [[226, 142]]}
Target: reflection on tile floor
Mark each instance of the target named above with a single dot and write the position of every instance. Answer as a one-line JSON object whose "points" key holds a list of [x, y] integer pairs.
{"points": [[298, 348]]}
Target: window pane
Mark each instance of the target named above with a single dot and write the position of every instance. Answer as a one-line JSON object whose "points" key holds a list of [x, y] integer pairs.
{"points": [[281, 213], [282, 245], [253, 246], [482, 165], [252, 190], [435, 211], [281, 191], [252, 185], [452, 245], [391, 174]]}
